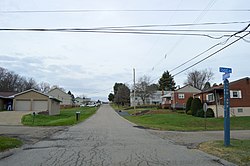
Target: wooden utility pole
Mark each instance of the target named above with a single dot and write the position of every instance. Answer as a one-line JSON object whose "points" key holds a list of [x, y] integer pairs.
{"points": [[134, 85]]}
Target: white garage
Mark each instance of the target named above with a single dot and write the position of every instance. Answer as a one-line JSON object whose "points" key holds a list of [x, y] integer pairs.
{"points": [[40, 105], [32, 100], [22, 105]]}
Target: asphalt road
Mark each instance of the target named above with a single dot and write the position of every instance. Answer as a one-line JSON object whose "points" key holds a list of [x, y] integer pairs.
{"points": [[107, 139]]}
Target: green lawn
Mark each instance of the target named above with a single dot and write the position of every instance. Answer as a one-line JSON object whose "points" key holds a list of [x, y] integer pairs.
{"points": [[182, 122], [66, 117], [238, 152], [8, 143]]}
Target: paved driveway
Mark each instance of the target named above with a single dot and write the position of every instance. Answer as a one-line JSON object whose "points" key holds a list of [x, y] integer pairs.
{"points": [[108, 139], [12, 117]]}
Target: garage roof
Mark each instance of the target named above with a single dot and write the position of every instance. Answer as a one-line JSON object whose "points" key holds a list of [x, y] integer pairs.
{"points": [[33, 90]]}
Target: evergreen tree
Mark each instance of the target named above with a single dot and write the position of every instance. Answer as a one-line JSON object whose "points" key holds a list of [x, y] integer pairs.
{"points": [[166, 82]]}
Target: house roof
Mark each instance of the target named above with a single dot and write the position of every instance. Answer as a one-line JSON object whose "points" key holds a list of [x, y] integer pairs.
{"points": [[188, 89], [221, 87], [33, 90], [7, 94], [59, 90]]}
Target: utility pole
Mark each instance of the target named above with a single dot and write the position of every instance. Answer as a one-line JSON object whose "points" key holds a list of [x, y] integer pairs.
{"points": [[134, 85]]}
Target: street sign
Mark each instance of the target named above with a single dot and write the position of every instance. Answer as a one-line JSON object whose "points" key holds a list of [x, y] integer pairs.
{"points": [[226, 113], [205, 107], [225, 70], [225, 76]]}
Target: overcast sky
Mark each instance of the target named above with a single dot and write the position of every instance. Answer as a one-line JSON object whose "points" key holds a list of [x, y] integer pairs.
{"points": [[91, 63]]}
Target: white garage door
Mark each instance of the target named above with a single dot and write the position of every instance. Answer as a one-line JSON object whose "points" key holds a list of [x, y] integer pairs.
{"points": [[22, 105], [40, 105]]}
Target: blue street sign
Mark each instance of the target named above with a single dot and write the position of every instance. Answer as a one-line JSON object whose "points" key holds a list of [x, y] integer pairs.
{"points": [[226, 113], [225, 76], [225, 70]]}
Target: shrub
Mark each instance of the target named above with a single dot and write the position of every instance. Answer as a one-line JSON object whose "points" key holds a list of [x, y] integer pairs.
{"points": [[189, 112], [189, 103], [196, 106], [210, 113], [200, 113]]}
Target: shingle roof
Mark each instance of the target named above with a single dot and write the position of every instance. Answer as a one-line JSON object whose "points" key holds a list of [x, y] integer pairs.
{"points": [[7, 94]]}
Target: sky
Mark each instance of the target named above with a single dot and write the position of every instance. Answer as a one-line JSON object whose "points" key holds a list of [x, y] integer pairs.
{"points": [[91, 63]]}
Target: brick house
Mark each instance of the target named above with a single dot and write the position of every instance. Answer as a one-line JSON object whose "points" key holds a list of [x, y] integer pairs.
{"points": [[177, 99], [239, 98], [180, 96]]}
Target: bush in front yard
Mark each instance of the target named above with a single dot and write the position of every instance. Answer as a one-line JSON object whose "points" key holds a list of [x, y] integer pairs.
{"points": [[189, 112], [189, 103], [196, 106], [200, 113], [210, 113]]}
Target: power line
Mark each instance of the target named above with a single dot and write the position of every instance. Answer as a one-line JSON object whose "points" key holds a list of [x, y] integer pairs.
{"points": [[120, 10], [180, 39], [79, 30], [220, 43], [211, 54]]}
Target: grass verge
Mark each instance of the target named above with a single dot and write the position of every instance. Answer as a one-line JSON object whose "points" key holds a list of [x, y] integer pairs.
{"points": [[238, 152], [66, 117], [8, 143], [182, 122]]}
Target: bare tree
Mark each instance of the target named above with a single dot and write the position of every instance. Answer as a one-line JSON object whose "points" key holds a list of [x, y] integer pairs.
{"points": [[10, 81], [44, 87], [198, 78], [144, 89], [57, 86]]}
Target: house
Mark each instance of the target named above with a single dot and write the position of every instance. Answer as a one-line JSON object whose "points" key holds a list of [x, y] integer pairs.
{"points": [[177, 99], [167, 100], [153, 99], [67, 100], [32, 100], [239, 98], [6, 100], [84, 101]]}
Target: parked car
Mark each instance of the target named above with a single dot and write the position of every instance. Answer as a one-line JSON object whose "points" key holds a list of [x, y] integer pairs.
{"points": [[82, 105], [91, 105]]}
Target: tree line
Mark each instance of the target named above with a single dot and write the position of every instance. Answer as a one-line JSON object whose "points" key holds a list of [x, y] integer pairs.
{"points": [[13, 82], [144, 87]]}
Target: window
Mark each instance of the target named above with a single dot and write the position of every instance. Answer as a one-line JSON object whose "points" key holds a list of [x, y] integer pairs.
{"points": [[210, 97], [181, 96], [235, 94], [240, 110]]}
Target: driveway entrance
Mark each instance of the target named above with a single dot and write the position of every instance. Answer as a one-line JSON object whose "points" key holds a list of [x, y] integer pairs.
{"points": [[12, 117]]}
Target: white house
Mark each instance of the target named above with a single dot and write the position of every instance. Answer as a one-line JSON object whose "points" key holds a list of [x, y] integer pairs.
{"points": [[62, 96], [156, 98]]}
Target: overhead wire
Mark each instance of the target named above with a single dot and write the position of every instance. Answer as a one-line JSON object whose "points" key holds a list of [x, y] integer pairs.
{"points": [[120, 10], [180, 39], [211, 54], [77, 30], [220, 43]]}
